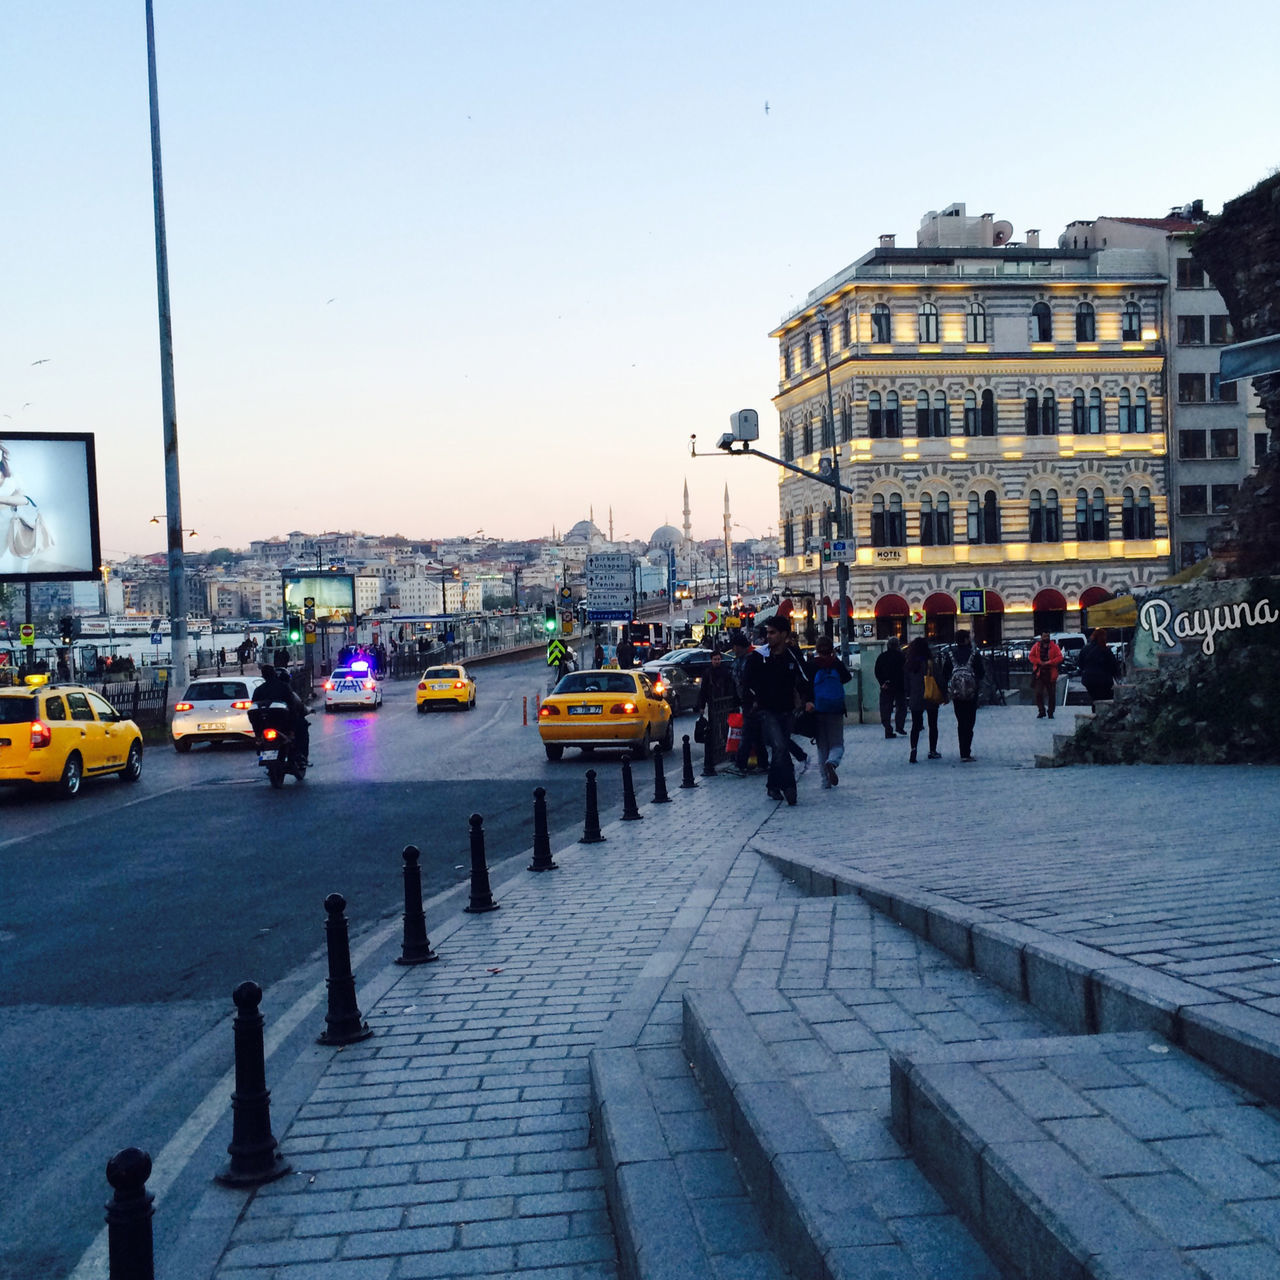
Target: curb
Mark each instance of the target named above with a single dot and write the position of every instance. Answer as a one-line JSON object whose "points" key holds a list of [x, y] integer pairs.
{"points": [[1086, 990]]}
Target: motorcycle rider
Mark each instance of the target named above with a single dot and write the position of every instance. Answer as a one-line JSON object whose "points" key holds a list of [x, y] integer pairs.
{"points": [[275, 687]]}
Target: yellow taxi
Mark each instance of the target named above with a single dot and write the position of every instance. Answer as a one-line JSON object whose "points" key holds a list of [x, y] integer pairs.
{"points": [[449, 686], [63, 733], [590, 709]]}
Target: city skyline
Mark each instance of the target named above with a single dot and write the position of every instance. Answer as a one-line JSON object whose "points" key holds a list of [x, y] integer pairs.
{"points": [[487, 267]]}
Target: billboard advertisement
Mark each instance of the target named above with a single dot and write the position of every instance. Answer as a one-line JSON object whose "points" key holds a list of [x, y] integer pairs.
{"points": [[48, 507], [334, 595]]}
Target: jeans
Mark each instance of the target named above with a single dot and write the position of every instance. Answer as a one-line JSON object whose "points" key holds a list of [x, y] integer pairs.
{"points": [[752, 741], [1046, 689], [777, 736], [893, 709], [830, 740], [917, 723], [966, 715]]}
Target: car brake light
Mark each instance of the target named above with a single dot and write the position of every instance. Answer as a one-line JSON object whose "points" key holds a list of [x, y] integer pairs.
{"points": [[659, 687], [183, 706], [41, 734], [457, 684], [328, 684], [622, 709], [548, 711], [270, 734], [368, 684], [241, 706]]}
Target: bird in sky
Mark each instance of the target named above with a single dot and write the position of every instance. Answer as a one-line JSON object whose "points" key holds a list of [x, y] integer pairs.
{"points": [[330, 300], [44, 361], [766, 106]]}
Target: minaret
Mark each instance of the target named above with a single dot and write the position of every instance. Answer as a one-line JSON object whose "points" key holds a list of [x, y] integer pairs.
{"points": [[688, 524], [728, 543], [611, 523]]}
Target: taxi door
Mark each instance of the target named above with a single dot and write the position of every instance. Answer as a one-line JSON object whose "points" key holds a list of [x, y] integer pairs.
{"points": [[92, 742], [115, 741], [657, 710]]}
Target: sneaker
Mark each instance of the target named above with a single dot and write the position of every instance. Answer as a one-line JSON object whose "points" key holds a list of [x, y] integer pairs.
{"points": [[830, 776], [1040, 715], [935, 755], [889, 733]]}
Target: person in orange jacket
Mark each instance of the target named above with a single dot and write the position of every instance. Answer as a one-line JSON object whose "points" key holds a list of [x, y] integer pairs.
{"points": [[1046, 661]]}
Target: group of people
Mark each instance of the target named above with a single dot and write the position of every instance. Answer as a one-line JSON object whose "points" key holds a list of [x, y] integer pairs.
{"points": [[922, 682]]}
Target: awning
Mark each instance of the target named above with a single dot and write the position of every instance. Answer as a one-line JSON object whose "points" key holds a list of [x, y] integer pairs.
{"points": [[1123, 610]]}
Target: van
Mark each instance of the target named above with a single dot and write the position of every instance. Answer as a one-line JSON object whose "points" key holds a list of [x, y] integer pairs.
{"points": [[1072, 644]]}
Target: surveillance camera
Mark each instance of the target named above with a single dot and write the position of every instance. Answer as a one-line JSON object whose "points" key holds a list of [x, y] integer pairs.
{"points": [[725, 441]]}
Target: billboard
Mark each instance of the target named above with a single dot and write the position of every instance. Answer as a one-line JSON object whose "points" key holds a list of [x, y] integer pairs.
{"points": [[48, 507], [334, 595]]}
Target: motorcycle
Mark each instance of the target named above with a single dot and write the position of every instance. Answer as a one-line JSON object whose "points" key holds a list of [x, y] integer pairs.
{"points": [[277, 743]]}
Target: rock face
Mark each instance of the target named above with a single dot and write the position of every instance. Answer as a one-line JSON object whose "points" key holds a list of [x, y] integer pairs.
{"points": [[1240, 251]]}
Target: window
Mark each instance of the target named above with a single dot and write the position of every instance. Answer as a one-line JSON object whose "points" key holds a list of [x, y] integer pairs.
{"points": [[1261, 441], [1124, 410], [1190, 276], [1221, 496], [987, 415], [983, 518], [1191, 444], [846, 331], [54, 709], [1141, 419], [880, 323], [1045, 517], [928, 322], [875, 416], [941, 417], [935, 521], [975, 323], [1190, 331], [892, 418], [788, 446], [1041, 323], [1079, 418], [922, 414], [1193, 500], [1091, 516], [1131, 322], [107, 714], [1035, 517], [1048, 414], [828, 431], [788, 536], [806, 351], [1220, 331], [79, 706], [808, 435], [1137, 516], [1096, 422], [1032, 414], [1191, 553], [806, 527], [888, 526], [1086, 323], [846, 422], [1224, 443], [1221, 392], [970, 414], [1191, 388], [789, 360]]}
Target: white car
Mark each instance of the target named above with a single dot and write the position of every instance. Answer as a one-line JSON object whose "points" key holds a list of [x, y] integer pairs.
{"points": [[354, 685], [214, 709]]}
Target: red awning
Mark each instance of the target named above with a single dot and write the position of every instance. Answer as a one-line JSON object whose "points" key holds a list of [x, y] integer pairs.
{"points": [[994, 603], [940, 602], [1049, 598], [785, 608], [892, 606], [1093, 595]]}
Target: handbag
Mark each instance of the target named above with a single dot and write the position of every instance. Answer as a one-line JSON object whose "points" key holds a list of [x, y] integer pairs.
{"points": [[932, 689], [806, 725], [700, 729], [734, 740]]}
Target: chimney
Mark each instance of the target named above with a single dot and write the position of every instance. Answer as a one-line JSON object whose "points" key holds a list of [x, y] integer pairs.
{"points": [[1033, 238], [888, 241]]}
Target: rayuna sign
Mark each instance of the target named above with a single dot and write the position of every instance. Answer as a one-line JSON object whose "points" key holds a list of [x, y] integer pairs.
{"points": [[1167, 627]]}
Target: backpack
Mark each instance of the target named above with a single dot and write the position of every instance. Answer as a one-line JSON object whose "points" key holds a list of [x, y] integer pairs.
{"points": [[828, 692], [963, 685]]}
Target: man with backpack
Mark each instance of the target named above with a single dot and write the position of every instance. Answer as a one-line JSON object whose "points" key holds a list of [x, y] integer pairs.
{"points": [[963, 681], [829, 676]]}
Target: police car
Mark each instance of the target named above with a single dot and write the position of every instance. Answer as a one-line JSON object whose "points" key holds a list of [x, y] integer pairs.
{"points": [[354, 685]]}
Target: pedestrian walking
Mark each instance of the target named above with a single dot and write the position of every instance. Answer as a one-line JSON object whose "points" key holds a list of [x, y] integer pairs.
{"points": [[926, 692], [829, 676], [752, 725], [776, 684], [1046, 662], [626, 652], [716, 698], [1099, 667], [893, 688], [598, 657], [964, 677]]}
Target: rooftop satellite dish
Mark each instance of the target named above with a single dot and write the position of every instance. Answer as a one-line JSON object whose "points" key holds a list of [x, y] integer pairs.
{"points": [[1001, 232]]}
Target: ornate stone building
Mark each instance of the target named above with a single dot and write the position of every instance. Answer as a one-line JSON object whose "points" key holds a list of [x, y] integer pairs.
{"points": [[998, 410]]}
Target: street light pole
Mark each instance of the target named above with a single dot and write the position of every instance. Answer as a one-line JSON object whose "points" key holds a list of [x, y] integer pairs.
{"points": [[841, 577]]}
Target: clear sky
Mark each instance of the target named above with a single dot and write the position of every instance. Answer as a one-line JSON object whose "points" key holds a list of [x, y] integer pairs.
{"points": [[483, 264]]}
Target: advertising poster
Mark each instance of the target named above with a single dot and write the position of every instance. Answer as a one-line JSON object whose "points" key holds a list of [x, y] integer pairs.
{"points": [[334, 595], [48, 507]]}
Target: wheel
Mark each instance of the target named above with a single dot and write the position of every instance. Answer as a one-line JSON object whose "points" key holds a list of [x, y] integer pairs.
{"points": [[641, 748], [275, 775], [471, 706], [133, 763], [72, 772], [300, 772], [182, 745], [422, 706], [668, 739], [553, 749]]}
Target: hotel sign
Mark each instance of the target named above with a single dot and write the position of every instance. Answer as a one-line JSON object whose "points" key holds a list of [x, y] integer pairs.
{"points": [[890, 555]]}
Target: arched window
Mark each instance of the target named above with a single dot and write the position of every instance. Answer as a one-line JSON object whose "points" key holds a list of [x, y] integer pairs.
{"points": [[1128, 522], [1045, 524], [878, 530], [983, 518], [1035, 517], [828, 431], [941, 414], [788, 445], [926, 520], [1141, 418], [1146, 514], [875, 416], [1124, 410], [788, 360], [928, 322], [789, 534], [896, 525], [846, 422], [808, 435], [1091, 516], [987, 415], [1041, 323], [1032, 413], [1095, 412], [1048, 414], [970, 414], [1079, 418], [880, 324], [1086, 323], [922, 414], [942, 521], [975, 323], [1131, 323], [892, 417]]}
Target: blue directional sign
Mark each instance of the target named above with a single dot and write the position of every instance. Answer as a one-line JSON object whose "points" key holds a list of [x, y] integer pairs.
{"points": [[608, 615], [157, 638]]}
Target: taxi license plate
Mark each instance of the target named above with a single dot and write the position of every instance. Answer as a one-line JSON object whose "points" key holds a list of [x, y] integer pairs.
{"points": [[590, 710], [204, 727], [267, 755], [4, 742], [437, 687]]}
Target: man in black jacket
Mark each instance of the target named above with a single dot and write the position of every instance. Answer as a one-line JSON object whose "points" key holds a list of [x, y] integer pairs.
{"points": [[893, 688], [774, 682], [275, 687]]}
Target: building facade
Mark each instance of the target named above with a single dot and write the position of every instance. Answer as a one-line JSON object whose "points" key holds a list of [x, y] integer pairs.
{"points": [[998, 411]]}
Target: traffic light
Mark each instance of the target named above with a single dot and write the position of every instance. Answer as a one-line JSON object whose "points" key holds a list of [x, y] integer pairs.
{"points": [[295, 628], [550, 625], [66, 628]]}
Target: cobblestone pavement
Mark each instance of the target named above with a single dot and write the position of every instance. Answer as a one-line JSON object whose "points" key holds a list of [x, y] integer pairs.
{"points": [[1177, 867]]}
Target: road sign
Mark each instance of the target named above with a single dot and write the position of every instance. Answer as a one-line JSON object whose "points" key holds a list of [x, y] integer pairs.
{"points": [[27, 634], [917, 616], [566, 626], [733, 621], [973, 601], [308, 602], [712, 617], [555, 651], [839, 549], [611, 586], [610, 615], [157, 638], [566, 593]]}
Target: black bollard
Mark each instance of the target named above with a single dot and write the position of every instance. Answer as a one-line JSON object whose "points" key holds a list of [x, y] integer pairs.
{"points": [[344, 1023], [129, 1247], [255, 1155], [659, 779], [417, 946], [709, 747], [688, 780], [591, 825], [481, 894], [630, 811], [541, 840]]}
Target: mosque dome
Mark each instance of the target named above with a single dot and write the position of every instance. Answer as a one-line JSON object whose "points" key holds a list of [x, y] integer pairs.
{"points": [[666, 537], [583, 531]]}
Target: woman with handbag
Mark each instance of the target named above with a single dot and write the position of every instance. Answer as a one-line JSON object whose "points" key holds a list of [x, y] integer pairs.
{"points": [[926, 692], [22, 527]]}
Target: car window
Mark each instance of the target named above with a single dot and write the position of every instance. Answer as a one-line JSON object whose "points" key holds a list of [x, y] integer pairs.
{"points": [[596, 682], [79, 704], [442, 673], [217, 691], [17, 710], [104, 710], [55, 708]]}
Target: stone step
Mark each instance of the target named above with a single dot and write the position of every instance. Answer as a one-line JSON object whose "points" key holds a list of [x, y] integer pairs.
{"points": [[1049, 762], [1098, 1158]]}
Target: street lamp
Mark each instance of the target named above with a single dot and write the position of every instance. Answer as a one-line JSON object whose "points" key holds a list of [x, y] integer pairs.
{"points": [[191, 533], [842, 571]]}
